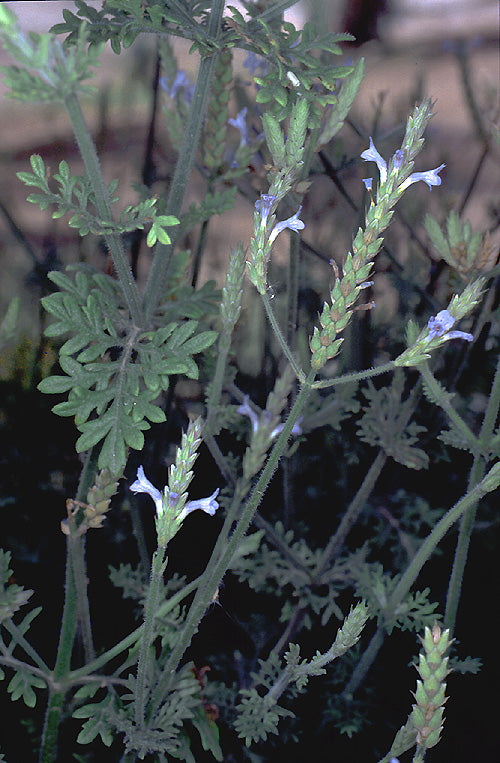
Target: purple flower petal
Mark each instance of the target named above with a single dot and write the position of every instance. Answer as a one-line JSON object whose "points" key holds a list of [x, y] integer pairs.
{"points": [[372, 155], [292, 223], [240, 124], [208, 505], [458, 335], [440, 324], [181, 81], [263, 206], [430, 177], [439, 327], [398, 159], [143, 485], [245, 410]]}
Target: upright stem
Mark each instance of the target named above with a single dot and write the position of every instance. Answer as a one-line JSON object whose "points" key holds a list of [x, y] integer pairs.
{"points": [[467, 521], [351, 515], [55, 703], [129, 641], [209, 584], [443, 401], [163, 253], [487, 484], [68, 628], [157, 569], [103, 206], [281, 339]]}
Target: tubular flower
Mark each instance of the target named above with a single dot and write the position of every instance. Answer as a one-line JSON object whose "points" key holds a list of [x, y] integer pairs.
{"points": [[293, 223], [430, 177], [240, 124], [143, 485], [245, 410], [372, 155], [181, 82], [209, 505], [296, 429], [263, 207], [439, 327]]}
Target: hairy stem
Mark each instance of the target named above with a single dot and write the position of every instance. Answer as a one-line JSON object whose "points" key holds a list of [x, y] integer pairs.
{"points": [[467, 521], [103, 206], [210, 581], [173, 206]]}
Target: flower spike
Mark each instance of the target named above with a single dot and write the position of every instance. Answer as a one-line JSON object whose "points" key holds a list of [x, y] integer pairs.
{"points": [[431, 177]]}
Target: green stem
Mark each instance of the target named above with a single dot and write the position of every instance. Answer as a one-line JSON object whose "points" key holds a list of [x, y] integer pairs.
{"points": [[359, 501], [56, 696], [355, 376], [281, 339], [467, 521], [351, 516], [68, 628], [128, 642], [209, 585], [103, 206], [419, 756], [292, 290], [469, 90], [367, 659], [487, 484], [218, 380], [442, 398], [435, 537], [157, 569], [20, 640], [454, 591], [80, 577], [163, 253]]}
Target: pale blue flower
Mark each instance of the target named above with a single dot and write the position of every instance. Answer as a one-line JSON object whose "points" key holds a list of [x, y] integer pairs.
{"points": [[368, 184], [209, 505], [143, 485], [263, 207], [245, 410], [292, 223], [430, 177], [439, 327], [296, 429], [253, 62], [240, 125], [181, 82], [398, 158], [372, 155]]}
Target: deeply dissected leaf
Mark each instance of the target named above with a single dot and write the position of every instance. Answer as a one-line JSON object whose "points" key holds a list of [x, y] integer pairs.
{"points": [[111, 398]]}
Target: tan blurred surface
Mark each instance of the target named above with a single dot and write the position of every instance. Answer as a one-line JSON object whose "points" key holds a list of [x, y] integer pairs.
{"points": [[397, 74]]}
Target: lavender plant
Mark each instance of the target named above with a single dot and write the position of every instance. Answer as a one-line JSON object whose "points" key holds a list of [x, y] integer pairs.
{"points": [[120, 349]]}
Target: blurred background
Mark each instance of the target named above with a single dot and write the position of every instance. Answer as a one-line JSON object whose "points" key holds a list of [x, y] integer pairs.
{"points": [[443, 49], [412, 48]]}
